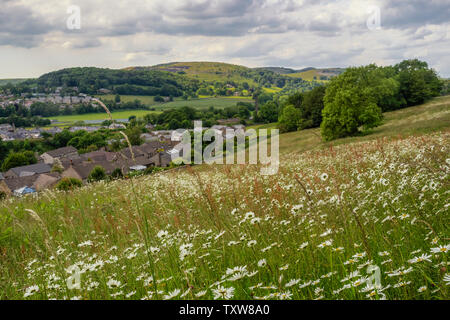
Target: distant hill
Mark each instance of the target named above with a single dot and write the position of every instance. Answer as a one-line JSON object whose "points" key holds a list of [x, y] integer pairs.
{"points": [[11, 81], [176, 79], [311, 74]]}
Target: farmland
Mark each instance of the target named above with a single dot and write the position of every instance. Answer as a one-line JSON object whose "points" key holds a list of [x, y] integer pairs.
{"points": [[203, 103]]}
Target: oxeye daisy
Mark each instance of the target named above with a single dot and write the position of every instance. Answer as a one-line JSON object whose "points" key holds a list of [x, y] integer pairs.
{"points": [[441, 249], [31, 290], [223, 293]]}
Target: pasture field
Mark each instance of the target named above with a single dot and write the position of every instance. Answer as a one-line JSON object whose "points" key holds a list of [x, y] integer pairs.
{"points": [[147, 100], [205, 103], [102, 116], [360, 218], [221, 102]]}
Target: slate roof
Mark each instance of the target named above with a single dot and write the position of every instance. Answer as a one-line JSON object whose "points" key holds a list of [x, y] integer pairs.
{"points": [[61, 152], [17, 183], [36, 168]]}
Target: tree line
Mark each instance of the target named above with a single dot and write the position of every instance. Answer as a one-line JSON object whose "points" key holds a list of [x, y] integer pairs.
{"points": [[354, 102]]}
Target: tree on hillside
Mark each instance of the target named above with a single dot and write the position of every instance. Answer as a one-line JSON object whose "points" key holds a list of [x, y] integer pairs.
{"points": [[268, 112], [311, 108], [350, 102], [18, 159], [418, 83], [289, 119]]}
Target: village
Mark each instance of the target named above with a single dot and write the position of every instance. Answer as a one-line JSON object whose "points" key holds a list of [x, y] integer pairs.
{"points": [[64, 100], [67, 162]]}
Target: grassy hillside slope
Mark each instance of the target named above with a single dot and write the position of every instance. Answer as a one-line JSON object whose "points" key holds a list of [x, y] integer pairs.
{"points": [[209, 232]]}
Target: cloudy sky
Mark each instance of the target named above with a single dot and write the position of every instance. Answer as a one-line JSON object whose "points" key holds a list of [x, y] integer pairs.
{"points": [[38, 36]]}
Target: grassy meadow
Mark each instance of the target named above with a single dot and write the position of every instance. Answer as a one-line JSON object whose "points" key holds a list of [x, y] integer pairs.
{"points": [[360, 218], [203, 103], [102, 116]]}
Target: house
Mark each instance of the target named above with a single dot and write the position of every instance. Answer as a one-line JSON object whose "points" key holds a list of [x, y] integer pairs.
{"points": [[114, 126], [81, 171], [104, 91], [46, 181], [10, 185], [99, 155], [148, 137], [26, 171], [137, 152], [66, 152]]}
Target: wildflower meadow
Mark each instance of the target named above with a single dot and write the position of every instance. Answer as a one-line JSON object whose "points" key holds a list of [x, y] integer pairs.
{"points": [[366, 220]]}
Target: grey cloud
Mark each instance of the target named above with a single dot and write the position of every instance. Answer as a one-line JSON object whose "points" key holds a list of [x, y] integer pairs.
{"points": [[20, 27], [414, 13]]}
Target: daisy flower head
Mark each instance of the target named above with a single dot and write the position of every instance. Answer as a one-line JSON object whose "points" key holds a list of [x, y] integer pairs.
{"points": [[223, 293]]}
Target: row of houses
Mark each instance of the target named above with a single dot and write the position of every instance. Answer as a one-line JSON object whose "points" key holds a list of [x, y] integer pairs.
{"points": [[50, 98], [9, 132], [68, 163]]}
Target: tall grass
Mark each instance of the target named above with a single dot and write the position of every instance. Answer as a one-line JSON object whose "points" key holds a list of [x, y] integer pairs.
{"points": [[211, 232]]}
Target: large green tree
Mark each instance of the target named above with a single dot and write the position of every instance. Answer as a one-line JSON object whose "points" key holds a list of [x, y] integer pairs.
{"points": [[289, 119], [418, 83], [350, 102]]}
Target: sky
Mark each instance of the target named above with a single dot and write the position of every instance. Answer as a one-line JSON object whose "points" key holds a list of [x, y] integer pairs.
{"points": [[39, 36]]}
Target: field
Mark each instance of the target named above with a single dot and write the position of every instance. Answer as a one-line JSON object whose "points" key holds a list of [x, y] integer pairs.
{"points": [[307, 75], [361, 218], [147, 100], [208, 71], [101, 116], [204, 103]]}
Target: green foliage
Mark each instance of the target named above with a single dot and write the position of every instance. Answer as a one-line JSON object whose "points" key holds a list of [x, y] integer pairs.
{"points": [[351, 102], [17, 159], [68, 184], [289, 119], [268, 113], [117, 173], [97, 174], [57, 166], [134, 135], [418, 83], [311, 108]]}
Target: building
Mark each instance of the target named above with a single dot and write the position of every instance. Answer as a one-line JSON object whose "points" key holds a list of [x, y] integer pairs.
{"points": [[66, 152], [9, 186], [26, 171]]}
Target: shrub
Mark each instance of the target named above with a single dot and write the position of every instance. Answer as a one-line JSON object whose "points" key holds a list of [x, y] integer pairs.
{"points": [[67, 184], [97, 174], [117, 173]]}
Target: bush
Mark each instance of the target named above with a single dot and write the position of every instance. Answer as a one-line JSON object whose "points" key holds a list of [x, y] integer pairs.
{"points": [[67, 184], [17, 159], [97, 174], [117, 173]]}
